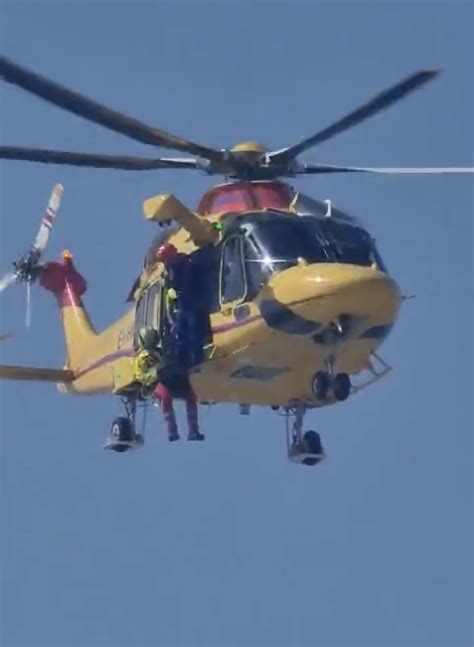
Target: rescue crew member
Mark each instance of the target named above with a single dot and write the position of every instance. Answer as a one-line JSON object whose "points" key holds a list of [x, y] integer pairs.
{"points": [[174, 385], [187, 339], [148, 361], [186, 324]]}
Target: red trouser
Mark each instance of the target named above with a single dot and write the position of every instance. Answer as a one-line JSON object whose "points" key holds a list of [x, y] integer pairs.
{"points": [[165, 397]]}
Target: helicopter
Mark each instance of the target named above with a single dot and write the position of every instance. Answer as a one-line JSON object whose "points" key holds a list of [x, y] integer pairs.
{"points": [[299, 297]]}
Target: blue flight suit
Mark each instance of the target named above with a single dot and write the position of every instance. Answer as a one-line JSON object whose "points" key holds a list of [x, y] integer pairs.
{"points": [[188, 328]]}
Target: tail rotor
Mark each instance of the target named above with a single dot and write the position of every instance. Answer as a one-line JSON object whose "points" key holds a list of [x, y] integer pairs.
{"points": [[27, 267]]}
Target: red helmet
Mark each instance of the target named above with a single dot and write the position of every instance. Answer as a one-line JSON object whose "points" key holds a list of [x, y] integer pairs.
{"points": [[166, 253]]}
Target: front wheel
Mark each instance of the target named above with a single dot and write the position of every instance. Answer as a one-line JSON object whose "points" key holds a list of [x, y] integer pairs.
{"points": [[341, 386], [321, 384]]}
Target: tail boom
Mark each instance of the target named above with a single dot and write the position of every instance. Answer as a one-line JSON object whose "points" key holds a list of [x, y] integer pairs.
{"points": [[67, 285], [100, 362]]}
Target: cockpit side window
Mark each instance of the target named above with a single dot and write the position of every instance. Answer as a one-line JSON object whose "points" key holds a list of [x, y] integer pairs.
{"points": [[233, 284], [257, 272], [274, 241], [350, 245]]}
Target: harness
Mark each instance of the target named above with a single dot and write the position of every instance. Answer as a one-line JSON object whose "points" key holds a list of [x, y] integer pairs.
{"points": [[147, 366]]}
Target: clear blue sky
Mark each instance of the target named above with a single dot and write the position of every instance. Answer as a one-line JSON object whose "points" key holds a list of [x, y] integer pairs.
{"points": [[226, 544]]}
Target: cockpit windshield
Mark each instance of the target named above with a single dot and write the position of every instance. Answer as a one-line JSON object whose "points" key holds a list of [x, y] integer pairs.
{"points": [[283, 239]]}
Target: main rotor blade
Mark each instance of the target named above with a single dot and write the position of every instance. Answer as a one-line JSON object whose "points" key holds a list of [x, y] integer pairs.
{"points": [[122, 162], [372, 107], [34, 374], [314, 169], [100, 114]]}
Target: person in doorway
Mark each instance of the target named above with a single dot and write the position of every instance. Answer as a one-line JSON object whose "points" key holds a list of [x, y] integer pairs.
{"points": [[183, 297], [202, 274]]}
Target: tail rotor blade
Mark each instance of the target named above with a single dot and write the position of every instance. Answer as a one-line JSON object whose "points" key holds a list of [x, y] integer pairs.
{"points": [[44, 232], [6, 280], [28, 304]]}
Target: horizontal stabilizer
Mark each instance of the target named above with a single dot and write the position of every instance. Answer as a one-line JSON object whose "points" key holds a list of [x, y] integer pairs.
{"points": [[29, 373]]}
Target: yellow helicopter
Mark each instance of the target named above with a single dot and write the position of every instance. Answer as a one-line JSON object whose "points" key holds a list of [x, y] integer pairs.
{"points": [[298, 296]]}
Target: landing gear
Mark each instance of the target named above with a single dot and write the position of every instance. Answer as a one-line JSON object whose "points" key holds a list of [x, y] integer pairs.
{"points": [[341, 386], [122, 435], [304, 448], [312, 442], [324, 382], [321, 384]]}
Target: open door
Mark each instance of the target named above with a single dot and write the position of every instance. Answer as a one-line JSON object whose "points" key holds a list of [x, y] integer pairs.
{"points": [[148, 314]]}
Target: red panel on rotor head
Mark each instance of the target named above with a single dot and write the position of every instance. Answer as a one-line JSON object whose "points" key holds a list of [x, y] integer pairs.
{"points": [[65, 282], [245, 196]]}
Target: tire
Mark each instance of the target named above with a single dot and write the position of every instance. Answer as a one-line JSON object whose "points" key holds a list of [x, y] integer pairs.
{"points": [[341, 386], [122, 429], [311, 461], [120, 449], [312, 442], [320, 385]]}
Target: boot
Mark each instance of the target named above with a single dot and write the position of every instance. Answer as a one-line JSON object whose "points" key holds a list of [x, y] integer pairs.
{"points": [[196, 435], [192, 413]]}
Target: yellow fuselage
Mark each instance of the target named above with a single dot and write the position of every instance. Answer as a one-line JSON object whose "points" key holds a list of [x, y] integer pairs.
{"points": [[264, 351]]}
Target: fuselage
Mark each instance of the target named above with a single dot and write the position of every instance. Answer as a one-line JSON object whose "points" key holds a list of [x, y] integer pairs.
{"points": [[289, 288]]}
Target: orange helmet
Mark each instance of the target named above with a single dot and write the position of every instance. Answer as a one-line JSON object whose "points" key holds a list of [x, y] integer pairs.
{"points": [[166, 253]]}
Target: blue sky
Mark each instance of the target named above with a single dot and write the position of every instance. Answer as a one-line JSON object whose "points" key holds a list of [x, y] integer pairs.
{"points": [[226, 543]]}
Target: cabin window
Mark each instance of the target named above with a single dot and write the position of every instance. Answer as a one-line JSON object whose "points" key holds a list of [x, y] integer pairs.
{"points": [[148, 310], [233, 285], [152, 319], [140, 317], [242, 196], [256, 272]]}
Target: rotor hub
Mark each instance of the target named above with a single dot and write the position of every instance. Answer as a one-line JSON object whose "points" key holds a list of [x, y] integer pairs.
{"points": [[249, 147]]}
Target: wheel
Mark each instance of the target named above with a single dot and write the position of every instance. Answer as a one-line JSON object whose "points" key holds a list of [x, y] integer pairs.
{"points": [[122, 429], [321, 384], [120, 448], [341, 386], [308, 451], [312, 442]]}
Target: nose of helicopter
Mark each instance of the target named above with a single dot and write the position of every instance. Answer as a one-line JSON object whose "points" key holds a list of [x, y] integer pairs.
{"points": [[309, 296]]}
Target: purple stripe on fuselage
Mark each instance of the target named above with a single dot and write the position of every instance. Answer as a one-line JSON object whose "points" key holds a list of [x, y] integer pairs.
{"points": [[128, 352], [377, 332], [235, 324]]}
